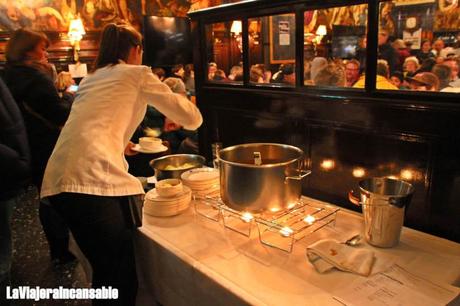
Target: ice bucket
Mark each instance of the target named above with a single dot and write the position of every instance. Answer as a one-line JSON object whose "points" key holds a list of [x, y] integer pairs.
{"points": [[383, 201]]}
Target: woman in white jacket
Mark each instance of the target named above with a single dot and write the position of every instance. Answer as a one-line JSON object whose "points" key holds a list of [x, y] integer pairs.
{"points": [[87, 177]]}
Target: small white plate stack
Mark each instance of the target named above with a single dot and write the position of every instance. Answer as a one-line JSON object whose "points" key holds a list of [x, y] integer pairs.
{"points": [[202, 181], [161, 206]]}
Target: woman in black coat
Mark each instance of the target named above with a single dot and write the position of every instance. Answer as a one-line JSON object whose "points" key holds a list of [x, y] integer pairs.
{"points": [[14, 174], [29, 78]]}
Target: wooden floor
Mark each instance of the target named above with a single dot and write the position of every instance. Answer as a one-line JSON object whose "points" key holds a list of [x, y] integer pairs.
{"points": [[31, 261]]}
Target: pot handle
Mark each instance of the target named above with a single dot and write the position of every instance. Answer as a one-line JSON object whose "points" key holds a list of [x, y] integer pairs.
{"points": [[302, 174], [353, 199]]}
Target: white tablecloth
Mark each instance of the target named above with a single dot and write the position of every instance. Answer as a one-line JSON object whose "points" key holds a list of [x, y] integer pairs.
{"points": [[191, 260]]}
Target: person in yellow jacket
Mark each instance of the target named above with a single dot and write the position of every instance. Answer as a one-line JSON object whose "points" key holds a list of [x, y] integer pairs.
{"points": [[382, 81]]}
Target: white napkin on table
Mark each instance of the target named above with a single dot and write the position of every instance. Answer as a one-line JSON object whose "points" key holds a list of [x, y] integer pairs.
{"points": [[327, 254]]}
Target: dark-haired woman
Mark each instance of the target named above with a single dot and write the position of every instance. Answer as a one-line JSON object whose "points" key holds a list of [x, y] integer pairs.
{"points": [[29, 77], [87, 176]]}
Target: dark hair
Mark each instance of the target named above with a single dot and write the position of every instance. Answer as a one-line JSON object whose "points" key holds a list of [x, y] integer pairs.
{"points": [[21, 42], [159, 72], [287, 69], [382, 68], [443, 73], [176, 68], [399, 75], [427, 65], [116, 43]]}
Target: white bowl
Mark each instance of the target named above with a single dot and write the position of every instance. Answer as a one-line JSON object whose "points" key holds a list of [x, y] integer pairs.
{"points": [[150, 143], [169, 187]]}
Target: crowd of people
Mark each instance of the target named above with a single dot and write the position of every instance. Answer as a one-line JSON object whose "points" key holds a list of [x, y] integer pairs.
{"points": [[434, 67]]}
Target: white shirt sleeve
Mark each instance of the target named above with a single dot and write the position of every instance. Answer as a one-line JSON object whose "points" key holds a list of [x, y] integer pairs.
{"points": [[174, 106]]}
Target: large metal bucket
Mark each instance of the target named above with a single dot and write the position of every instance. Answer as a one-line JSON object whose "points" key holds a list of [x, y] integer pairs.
{"points": [[383, 201]]}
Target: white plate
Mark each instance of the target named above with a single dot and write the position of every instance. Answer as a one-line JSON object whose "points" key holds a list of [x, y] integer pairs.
{"points": [[165, 213], [200, 175], [154, 196], [203, 186], [139, 149]]}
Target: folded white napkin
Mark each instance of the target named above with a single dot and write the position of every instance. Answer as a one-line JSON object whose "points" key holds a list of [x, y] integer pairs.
{"points": [[327, 254]]}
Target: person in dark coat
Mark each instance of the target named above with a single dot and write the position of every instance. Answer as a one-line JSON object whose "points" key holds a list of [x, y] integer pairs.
{"points": [[14, 175], [29, 78], [386, 51]]}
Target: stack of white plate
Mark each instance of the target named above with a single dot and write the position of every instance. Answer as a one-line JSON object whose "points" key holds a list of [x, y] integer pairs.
{"points": [[202, 181], [158, 206]]}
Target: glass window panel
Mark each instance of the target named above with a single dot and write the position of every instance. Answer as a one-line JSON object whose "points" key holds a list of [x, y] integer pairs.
{"points": [[272, 50], [224, 52], [418, 46], [335, 46]]}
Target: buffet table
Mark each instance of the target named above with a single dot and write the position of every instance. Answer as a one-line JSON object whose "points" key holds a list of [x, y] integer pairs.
{"points": [[192, 260]]}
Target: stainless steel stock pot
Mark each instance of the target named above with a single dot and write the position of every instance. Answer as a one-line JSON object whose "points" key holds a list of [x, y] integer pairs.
{"points": [[259, 177]]}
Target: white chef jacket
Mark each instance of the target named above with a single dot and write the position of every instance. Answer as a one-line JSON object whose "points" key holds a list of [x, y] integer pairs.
{"points": [[109, 105]]}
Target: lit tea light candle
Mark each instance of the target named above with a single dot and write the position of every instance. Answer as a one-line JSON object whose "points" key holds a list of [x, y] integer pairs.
{"points": [[309, 219], [407, 174], [359, 172], [286, 231], [327, 164], [274, 209], [247, 217]]}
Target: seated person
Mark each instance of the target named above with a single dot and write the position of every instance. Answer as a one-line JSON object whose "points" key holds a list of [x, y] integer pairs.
{"points": [[180, 140], [382, 81], [236, 74], [425, 81], [212, 67], [65, 85], [219, 75], [160, 73], [256, 75], [316, 65], [352, 68], [286, 75], [330, 75]]}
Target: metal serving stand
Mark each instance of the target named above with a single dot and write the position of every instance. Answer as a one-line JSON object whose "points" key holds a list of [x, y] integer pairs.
{"points": [[279, 230]]}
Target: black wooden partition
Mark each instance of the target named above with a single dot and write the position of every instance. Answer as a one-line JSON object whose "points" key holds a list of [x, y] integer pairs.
{"points": [[380, 131]]}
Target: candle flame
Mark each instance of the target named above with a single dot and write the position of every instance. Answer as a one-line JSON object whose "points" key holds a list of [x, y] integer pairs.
{"points": [[286, 231], [247, 217], [309, 219]]}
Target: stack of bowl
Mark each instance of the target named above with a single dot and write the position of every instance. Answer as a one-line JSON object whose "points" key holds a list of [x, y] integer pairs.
{"points": [[169, 197], [202, 181]]}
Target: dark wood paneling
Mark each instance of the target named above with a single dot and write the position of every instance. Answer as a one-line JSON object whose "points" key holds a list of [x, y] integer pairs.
{"points": [[369, 133]]}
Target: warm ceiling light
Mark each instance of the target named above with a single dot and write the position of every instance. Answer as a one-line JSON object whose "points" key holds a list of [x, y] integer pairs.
{"points": [[237, 27], [322, 30], [76, 32]]}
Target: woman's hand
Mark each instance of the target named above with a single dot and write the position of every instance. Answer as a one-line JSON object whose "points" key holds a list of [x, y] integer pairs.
{"points": [[129, 151]]}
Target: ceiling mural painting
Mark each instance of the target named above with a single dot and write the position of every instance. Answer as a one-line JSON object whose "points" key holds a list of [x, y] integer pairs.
{"points": [[55, 15]]}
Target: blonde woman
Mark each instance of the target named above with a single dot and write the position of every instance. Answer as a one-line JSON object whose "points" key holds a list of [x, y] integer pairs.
{"points": [[410, 66]]}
